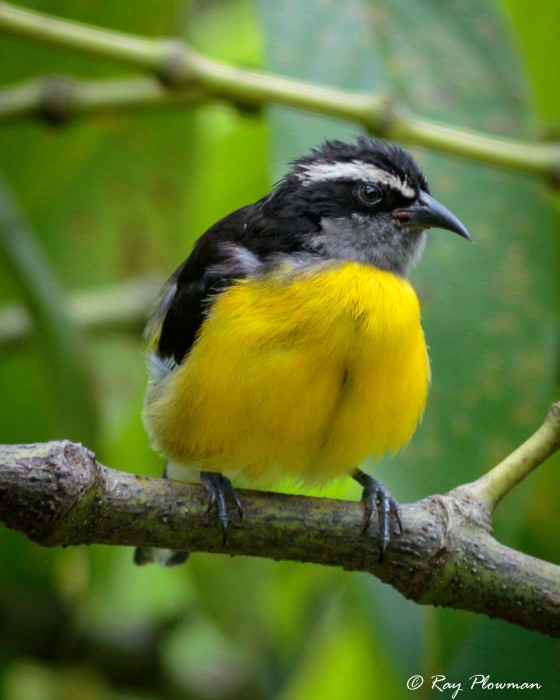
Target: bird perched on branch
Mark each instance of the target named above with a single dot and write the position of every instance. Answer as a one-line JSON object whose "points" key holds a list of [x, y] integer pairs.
{"points": [[289, 344]]}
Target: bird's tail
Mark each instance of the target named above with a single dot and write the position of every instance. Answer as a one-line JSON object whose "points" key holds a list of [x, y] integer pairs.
{"points": [[163, 557], [155, 555]]}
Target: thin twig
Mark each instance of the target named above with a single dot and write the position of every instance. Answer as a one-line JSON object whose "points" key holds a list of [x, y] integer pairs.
{"points": [[117, 307], [56, 99], [177, 65], [500, 480]]}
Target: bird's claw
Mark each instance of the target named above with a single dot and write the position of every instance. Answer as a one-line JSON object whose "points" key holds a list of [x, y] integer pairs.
{"points": [[379, 503], [218, 487]]}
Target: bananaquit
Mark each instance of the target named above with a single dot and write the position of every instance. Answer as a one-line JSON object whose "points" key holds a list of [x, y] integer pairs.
{"points": [[289, 344]]}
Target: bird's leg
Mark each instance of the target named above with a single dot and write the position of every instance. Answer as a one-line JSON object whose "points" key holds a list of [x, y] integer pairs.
{"points": [[163, 557], [218, 487], [378, 501]]}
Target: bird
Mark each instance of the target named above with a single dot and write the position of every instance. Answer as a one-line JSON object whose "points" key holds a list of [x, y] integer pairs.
{"points": [[289, 342]]}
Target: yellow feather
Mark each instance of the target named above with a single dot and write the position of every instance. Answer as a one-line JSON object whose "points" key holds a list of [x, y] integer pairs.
{"points": [[300, 373]]}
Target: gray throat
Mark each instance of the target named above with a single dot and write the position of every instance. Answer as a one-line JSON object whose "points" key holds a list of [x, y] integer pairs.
{"points": [[377, 241]]}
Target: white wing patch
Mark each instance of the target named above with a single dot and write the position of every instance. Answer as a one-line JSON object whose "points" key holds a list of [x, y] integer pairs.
{"points": [[353, 170], [237, 260], [159, 367]]}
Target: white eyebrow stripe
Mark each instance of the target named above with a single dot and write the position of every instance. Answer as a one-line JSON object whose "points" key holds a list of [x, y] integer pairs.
{"points": [[353, 170]]}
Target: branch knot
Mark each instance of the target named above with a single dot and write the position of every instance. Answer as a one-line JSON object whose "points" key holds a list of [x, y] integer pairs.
{"points": [[176, 69]]}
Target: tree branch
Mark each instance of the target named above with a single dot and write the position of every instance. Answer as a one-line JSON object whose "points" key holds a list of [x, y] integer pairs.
{"points": [[115, 307], [58, 494], [179, 66], [56, 98]]}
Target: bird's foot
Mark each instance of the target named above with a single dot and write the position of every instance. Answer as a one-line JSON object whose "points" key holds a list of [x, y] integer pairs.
{"points": [[218, 487], [378, 502]]}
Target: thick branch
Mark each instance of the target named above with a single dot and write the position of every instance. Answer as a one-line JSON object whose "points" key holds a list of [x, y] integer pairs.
{"points": [[57, 494], [178, 65]]}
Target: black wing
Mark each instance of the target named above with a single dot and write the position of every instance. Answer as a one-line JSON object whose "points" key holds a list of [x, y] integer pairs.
{"points": [[180, 313], [233, 248]]}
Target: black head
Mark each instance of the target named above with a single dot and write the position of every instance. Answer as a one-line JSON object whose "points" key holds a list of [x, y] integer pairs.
{"points": [[367, 201]]}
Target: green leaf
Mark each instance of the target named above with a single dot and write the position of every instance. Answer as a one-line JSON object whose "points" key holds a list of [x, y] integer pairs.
{"points": [[488, 309], [536, 27]]}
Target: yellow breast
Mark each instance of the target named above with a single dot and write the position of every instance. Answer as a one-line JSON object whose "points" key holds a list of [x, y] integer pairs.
{"points": [[298, 373]]}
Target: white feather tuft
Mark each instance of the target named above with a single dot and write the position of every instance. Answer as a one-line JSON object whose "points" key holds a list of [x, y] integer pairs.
{"points": [[160, 367]]}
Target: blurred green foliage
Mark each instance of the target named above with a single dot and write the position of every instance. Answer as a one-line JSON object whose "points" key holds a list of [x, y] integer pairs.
{"points": [[117, 196]]}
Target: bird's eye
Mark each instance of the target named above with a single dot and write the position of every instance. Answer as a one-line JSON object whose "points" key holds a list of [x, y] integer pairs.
{"points": [[369, 194]]}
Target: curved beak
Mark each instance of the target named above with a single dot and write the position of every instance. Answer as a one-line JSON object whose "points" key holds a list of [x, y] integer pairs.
{"points": [[427, 211]]}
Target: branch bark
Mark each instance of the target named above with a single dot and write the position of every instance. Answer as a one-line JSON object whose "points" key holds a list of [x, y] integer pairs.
{"points": [[58, 494], [57, 99], [177, 65]]}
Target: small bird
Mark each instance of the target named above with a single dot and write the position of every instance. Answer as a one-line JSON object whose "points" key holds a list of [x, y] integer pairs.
{"points": [[289, 343]]}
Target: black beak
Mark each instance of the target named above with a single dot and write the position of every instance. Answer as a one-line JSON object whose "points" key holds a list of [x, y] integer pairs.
{"points": [[427, 211]]}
